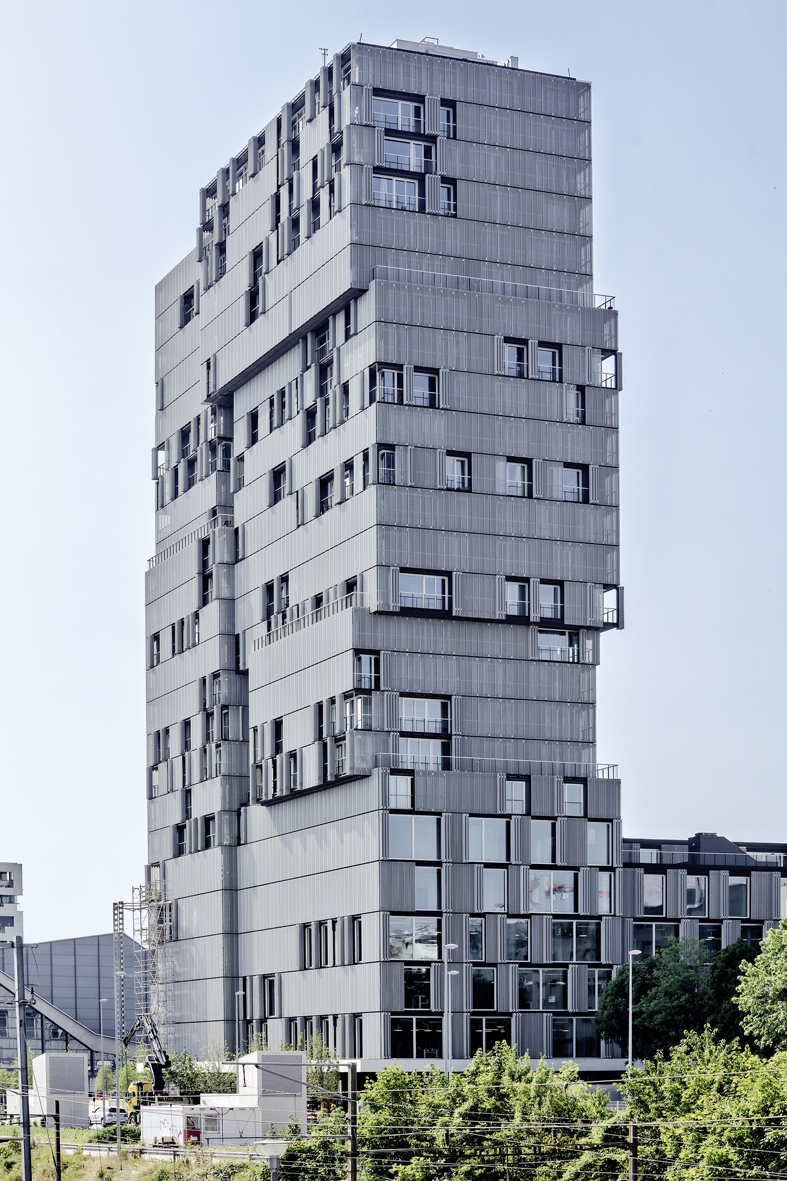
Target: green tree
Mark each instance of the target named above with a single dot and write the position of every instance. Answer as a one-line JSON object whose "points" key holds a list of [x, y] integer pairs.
{"points": [[762, 995], [497, 1119], [319, 1156], [193, 1077], [670, 996], [709, 1109], [724, 976]]}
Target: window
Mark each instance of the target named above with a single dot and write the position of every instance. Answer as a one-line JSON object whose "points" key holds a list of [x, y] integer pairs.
{"points": [[155, 650], [278, 736], [207, 589], [417, 988], [649, 937], [386, 385], [414, 836], [279, 482], [574, 1037], [210, 726], [518, 599], [487, 839], [752, 935], [494, 884], [605, 893], [340, 754], [447, 200], [483, 988], [549, 368], [358, 713], [187, 306], [210, 831], [448, 122], [365, 471], [562, 646], [180, 840], [516, 360], [396, 193], [284, 591], [225, 723], [349, 484], [475, 940], [598, 979], [400, 791], [710, 936], [517, 940], [185, 442], [425, 389], [421, 715], [191, 472], [576, 939], [367, 671], [424, 592], [187, 804], [308, 951], [486, 1032], [542, 842], [416, 1037], [357, 940], [425, 754], [269, 995], [311, 425], [414, 938], [599, 842], [553, 890], [457, 473], [397, 116], [216, 688], [543, 988], [517, 791], [292, 758], [254, 426], [326, 493], [738, 898], [696, 896], [386, 466], [518, 481], [324, 934], [649, 856], [575, 404], [653, 894], [573, 798], [603, 368], [550, 600], [406, 155], [575, 484], [428, 887]]}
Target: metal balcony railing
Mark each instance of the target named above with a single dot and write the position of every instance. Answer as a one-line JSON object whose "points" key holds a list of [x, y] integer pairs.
{"points": [[392, 201], [424, 725], [424, 602], [458, 483], [513, 768], [217, 522], [398, 123], [569, 655], [579, 298], [408, 164]]}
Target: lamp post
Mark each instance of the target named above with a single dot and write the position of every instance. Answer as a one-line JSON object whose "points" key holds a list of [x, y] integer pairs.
{"points": [[631, 1002], [102, 1000], [238, 995], [274, 1149], [448, 1038]]}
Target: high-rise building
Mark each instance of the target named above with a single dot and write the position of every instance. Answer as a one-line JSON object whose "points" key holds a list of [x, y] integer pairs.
{"points": [[386, 480]]}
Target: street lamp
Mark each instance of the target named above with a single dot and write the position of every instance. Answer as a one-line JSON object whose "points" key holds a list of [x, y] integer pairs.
{"points": [[102, 1000], [449, 1048], [631, 1000], [274, 1149]]}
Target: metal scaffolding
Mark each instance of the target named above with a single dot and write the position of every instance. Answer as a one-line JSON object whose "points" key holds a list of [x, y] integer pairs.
{"points": [[151, 919]]}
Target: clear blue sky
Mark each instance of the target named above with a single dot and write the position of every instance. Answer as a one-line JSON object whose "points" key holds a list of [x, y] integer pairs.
{"points": [[113, 117]]}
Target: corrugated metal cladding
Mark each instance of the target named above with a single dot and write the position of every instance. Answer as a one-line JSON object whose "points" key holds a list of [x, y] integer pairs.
{"points": [[386, 523]]}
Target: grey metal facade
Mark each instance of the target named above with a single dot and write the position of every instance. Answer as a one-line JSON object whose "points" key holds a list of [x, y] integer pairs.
{"points": [[386, 481]]}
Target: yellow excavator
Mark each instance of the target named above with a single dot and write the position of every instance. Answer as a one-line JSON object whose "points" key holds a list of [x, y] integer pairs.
{"points": [[139, 1093]]}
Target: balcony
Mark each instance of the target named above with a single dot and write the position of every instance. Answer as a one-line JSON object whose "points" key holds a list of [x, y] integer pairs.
{"points": [[399, 123], [519, 488], [458, 483], [569, 654], [392, 201], [516, 369], [510, 767], [424, 602], [578, 298], [424, 725], [448, 208], [406, 164]]}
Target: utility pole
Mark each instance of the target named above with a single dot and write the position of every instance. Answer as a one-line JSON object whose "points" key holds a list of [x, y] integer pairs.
{"points": [[57, 1140], [21, 1049], [632, 1152], [352, 1121]]}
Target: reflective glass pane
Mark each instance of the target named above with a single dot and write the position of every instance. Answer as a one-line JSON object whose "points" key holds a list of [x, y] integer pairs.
{"points": [[529, 988], [494, 889], [497, 1029], [428, 1037], [427, 939], [587, 1045], [588, 942], [401, 1037], [564, 889], [599, 843], [400, 836], [542, 842], [696, 896], [562, 940], [483, 988], [417, 988], [554, 988], [475, 950], [400, 938], [516, 795], [475, 839], [738, 898], [476, 1035], [427, 887], [495, 840], [642, 938], [562, 1037], [654, 893], [663, 932], [605, 887], [516, 939], [426, 837], [540, 889]]}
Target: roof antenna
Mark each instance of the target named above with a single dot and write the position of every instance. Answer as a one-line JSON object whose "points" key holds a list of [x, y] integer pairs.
{"points": [[324, 53], [360, 39], [569, 73]]}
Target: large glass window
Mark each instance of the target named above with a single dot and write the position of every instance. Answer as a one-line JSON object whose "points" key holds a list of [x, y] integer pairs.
{"points": [[457, 473], [386, 466], [549, 363], [367, 671], [558, 646], [518, 481], [487, 839], [599, 842], [517, 940], [543, 988], [393, 192], [483, 988], [416, 1037], [542, 842], [550, 600], [518, 598], [576, 939], [573, 797], [414, 836], [575, 1037], [494, 881], [475, 945], [400, 791], [424, 592], [417, 988], [516, 360], [358, 713], [654, 893], [553, 890], [598, 979], [738, 898], [605, 893], [386, 385], [575, 484], [414, 937], [710, 936], [649, 937], [425, 754], [517, 795], [696, 896], [395, 115], [428, 893], [425, 389], [409, 155], [424, 715], [486, 1032]]}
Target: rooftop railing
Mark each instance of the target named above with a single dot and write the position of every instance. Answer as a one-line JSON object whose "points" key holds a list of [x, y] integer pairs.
{"points": [[356, 599], [222, 519], [513, 768], [585, 299]]}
